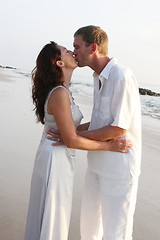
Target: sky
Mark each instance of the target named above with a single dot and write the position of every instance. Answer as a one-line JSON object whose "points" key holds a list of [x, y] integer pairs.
{"points": [[132, 26]]}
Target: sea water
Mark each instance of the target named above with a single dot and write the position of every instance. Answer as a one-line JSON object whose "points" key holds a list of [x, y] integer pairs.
{"points": [[83, 84], [150, 105]]}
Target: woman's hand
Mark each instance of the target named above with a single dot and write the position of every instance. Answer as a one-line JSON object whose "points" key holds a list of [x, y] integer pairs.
{"points": [[119, 145]]}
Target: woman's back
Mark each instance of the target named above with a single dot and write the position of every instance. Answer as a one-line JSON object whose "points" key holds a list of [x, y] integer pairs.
{"points": [[50, 121]]}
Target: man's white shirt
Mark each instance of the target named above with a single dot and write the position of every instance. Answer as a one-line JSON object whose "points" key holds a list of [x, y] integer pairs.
{"points": [[117, 103]]}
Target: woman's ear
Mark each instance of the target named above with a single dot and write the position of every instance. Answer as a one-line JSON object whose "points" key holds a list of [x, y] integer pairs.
{"points": [[59, 63]]}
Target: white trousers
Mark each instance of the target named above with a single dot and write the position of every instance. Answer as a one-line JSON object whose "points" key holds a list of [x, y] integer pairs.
{"points": [[108, 207]]}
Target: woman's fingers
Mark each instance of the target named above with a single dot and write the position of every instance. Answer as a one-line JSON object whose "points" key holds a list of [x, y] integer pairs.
{"points": [[125, 145], [120, 145]]}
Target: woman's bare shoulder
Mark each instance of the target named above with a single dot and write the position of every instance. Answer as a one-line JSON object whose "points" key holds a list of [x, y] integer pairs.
{"points": [[60, 94]]}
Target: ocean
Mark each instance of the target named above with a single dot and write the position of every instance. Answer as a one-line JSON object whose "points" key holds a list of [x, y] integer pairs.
{"points": [[150, 105], [83, 84]]}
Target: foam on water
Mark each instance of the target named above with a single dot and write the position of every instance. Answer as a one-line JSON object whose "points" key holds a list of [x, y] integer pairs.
{"points": [[150, 106]]}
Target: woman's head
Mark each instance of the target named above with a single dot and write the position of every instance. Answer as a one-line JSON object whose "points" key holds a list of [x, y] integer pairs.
{"points": [[67, 61], [46, 71], [48, 74]]}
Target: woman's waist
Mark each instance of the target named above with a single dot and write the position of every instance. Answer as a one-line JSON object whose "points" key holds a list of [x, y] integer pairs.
{"points": [[46, 129], [47, 142]]}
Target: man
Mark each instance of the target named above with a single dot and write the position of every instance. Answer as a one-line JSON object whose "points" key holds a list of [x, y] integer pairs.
{"points": [[112, 178]]}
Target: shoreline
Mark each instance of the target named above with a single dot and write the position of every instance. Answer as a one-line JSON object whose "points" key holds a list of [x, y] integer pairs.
{"points": [[20, 137], [142, 90]]}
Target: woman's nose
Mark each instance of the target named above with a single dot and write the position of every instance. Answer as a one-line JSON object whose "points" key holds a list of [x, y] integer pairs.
{"points": [[71, 53]]}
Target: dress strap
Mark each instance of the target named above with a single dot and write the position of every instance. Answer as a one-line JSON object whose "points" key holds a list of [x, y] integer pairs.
{"points": [[46, 103]]}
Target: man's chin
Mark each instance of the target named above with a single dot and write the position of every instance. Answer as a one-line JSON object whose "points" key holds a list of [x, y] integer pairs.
{"points": [[80, 65]]}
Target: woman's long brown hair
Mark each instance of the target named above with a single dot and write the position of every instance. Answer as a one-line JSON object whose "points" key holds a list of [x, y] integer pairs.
{"points": [[46, 75]]}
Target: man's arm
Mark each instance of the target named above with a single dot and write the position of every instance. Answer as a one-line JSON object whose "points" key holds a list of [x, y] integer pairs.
{"points": [[104, 133], [83, 127]]}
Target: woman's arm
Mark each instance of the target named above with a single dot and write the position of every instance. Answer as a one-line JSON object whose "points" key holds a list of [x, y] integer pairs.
{"points": [[59, 105]]}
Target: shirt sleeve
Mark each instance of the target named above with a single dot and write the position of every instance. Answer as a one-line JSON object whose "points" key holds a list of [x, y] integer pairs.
{"points": [[124, 99]]}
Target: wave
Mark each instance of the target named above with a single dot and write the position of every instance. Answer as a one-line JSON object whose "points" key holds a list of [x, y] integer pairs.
{"points": [[24, 73], [150, 106]]}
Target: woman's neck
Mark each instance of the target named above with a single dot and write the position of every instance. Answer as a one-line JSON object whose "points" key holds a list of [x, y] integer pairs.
{"points": [[67, 74]]}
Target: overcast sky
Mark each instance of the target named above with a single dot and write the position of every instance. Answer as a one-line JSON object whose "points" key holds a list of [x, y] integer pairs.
{"points": [[133, 28]]}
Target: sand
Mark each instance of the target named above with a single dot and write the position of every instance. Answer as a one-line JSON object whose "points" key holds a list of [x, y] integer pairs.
{"points": [[19, 139]]}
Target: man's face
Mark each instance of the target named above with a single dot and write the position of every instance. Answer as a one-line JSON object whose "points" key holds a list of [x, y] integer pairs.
{"points": [[81, 51]]}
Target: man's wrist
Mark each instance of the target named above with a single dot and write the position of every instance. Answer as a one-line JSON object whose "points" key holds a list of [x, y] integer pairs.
{"points": [[78, 132]]}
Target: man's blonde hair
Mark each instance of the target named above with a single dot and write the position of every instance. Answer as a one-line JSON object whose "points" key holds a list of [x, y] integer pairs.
{"points": [[94, 34]]}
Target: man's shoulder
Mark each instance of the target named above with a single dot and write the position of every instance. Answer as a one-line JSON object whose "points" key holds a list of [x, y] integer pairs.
{"points": [[119, 68], [121, 72], [123, 77]]}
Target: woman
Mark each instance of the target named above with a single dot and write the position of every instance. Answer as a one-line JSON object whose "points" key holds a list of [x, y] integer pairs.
{"points": [[53, 174]]}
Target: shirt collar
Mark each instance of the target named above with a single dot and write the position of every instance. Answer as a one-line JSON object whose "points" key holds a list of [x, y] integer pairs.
{"points": [[106, 71]]}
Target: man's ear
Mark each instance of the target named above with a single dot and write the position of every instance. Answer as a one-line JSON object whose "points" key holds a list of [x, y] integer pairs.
{"points": [[94, 48], [59, 63]]}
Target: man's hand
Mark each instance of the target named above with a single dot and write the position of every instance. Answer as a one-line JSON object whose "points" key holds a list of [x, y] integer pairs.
{"points": [[54, 135]]}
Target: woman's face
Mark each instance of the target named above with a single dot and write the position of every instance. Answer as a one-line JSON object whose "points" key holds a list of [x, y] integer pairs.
{"points": [[67, 58]]}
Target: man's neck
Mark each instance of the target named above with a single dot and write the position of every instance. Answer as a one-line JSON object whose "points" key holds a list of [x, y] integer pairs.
{"points": [[99, 64]]}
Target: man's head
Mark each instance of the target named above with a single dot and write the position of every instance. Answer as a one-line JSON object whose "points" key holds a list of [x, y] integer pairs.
{"points": [[86, 41]]}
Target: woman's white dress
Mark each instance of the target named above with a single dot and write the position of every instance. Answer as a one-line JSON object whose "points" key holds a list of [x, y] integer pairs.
{"points": [[52, 185]]}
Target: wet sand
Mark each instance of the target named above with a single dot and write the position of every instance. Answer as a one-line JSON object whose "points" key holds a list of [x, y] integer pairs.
{"points": [[19, 139]]}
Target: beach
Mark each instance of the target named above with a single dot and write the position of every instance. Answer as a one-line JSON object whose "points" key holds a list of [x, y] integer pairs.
{"points": [[19, 139]]}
